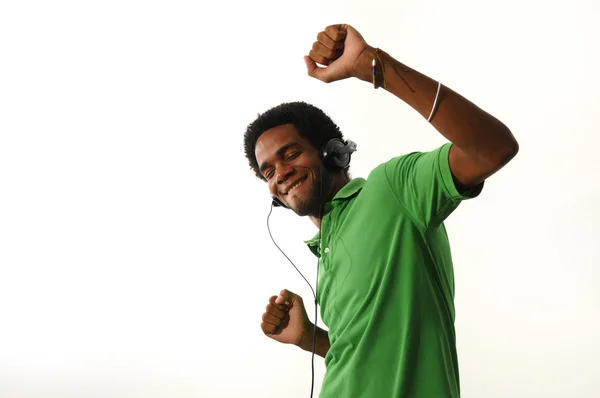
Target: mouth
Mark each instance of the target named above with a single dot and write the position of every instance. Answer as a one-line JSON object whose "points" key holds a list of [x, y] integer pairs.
{"points": [[296, 185]]}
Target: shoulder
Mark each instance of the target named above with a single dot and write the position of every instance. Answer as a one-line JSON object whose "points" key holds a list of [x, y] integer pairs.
{"points": [[406, 165]]}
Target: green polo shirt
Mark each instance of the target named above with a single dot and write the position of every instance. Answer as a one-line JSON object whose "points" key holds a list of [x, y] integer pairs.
{"points": [[386, 283]]}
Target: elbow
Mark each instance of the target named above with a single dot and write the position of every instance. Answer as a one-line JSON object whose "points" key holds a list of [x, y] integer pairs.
{"points": [[507, 150], [511, 150]]}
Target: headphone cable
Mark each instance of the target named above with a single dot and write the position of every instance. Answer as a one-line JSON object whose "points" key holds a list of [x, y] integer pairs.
{"points": [[314, 342]]}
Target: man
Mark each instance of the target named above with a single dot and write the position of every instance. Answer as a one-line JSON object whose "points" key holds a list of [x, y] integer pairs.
{"points": [[386, 284]]}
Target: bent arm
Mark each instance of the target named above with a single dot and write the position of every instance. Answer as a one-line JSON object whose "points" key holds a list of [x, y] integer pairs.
{"points": [[482, 144]]}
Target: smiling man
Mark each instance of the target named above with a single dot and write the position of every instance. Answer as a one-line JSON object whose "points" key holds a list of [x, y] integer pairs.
{"points": [[286, 143], [386, 281]]}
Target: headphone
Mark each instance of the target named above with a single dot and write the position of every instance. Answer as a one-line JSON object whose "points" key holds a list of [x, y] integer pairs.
{"points": [[335, 155]]}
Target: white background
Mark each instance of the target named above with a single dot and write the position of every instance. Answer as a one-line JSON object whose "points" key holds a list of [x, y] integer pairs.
{"points": [[134, 254]]}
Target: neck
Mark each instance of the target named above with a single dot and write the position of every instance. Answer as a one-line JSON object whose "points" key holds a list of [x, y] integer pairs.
{"points": [[316, 221], [338, 183]]}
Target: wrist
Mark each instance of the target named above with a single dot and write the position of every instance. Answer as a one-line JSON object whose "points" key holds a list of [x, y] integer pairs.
{"points": [[364, 62], [306, 341]]}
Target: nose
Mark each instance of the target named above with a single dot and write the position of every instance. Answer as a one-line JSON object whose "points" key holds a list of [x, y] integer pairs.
{"points": [[283, 173]]}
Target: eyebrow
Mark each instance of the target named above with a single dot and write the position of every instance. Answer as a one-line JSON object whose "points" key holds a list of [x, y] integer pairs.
{"points": [[280, 152]]}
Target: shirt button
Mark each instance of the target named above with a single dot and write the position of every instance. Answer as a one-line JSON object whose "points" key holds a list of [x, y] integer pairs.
{"points": [[326, 250]]}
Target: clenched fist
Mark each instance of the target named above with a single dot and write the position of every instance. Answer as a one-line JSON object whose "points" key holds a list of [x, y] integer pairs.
{"points": [[344, 53], [285, 320]]}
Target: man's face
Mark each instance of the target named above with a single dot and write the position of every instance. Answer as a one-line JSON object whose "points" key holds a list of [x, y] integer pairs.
{"points": [[292, 168]]}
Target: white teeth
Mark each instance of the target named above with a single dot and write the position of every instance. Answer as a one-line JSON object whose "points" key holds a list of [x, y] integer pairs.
{"points": [[295, 186]]}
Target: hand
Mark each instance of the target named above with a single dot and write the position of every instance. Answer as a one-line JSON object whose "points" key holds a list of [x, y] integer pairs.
{"points": [[285, 319], [339, 48]]}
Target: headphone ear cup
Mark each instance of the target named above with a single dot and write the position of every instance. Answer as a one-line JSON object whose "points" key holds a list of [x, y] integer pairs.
{"points": [[331, 156]]}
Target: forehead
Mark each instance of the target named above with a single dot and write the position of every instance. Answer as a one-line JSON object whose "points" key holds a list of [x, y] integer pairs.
{"points": [[273, 139]]}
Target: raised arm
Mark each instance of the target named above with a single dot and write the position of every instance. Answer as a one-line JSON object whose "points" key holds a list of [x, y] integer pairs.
{"points": [[482, 144]]}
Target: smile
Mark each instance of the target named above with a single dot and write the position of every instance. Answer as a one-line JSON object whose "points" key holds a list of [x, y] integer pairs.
{"points": [[296, 185]]}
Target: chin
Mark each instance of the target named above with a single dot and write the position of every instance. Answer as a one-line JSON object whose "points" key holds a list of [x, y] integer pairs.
{"points": [[308, 206], [302, 213]]}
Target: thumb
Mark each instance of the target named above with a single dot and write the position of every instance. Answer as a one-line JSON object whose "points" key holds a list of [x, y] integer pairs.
{"points": [[288, 298], [313, 69]]}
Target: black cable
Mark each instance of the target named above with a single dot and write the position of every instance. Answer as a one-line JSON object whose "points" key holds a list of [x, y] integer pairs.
{"points": [[321, 204], [314, 295], [311, 288]]}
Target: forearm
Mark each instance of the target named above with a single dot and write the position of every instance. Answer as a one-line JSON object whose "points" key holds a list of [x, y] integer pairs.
{"points": [[470, 128], [322, 343]]}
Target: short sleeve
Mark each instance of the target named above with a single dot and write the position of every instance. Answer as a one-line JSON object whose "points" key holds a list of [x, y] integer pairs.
{"points": [[422, 183]]}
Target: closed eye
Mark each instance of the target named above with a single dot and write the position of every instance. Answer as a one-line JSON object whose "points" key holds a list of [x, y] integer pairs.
{"points": [[269, 174], [293, 155]]}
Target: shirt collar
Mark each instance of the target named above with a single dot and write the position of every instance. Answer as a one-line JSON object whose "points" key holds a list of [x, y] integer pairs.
{"points": [[351, 189]]}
